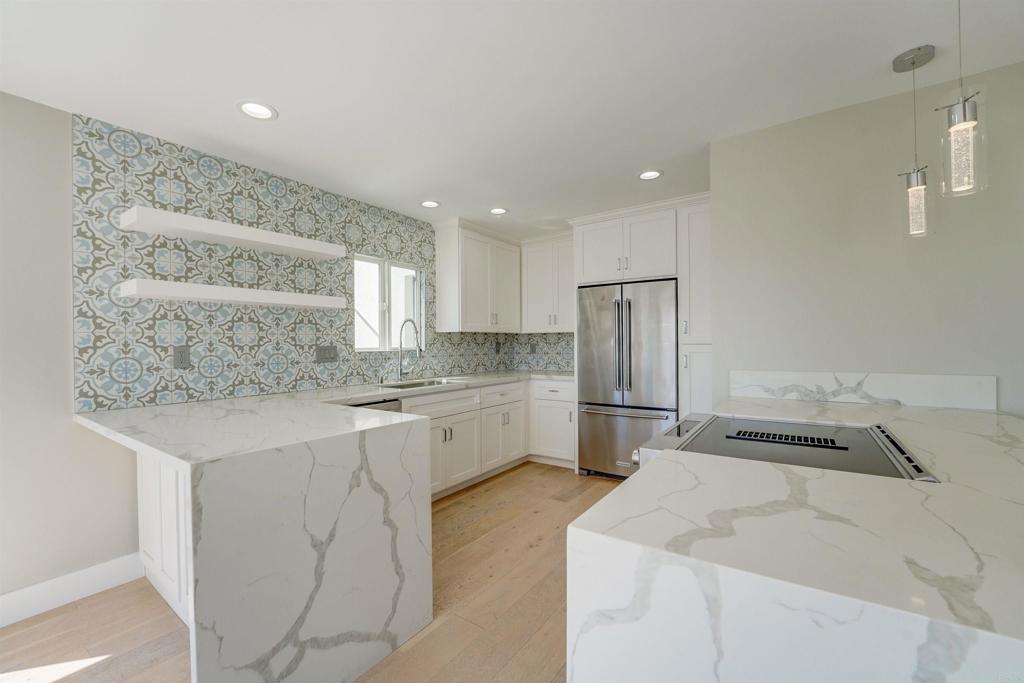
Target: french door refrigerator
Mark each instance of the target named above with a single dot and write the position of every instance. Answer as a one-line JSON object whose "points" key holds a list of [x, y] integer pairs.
{"points": [[626, 370]]}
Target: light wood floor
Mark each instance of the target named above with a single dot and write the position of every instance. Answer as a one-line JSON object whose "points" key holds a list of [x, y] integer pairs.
{"points": [[499, 601]]}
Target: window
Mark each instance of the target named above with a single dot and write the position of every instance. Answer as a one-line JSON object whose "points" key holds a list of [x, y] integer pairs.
{"points": [[386, 294]]}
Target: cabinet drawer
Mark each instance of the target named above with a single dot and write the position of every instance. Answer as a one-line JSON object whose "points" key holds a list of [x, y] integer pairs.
{"points": [[502, 393], [554, 390], [442, 405]]}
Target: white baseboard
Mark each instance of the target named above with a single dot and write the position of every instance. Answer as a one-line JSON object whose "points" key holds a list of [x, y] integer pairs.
{"points": [[547, 460], [42, 597]]}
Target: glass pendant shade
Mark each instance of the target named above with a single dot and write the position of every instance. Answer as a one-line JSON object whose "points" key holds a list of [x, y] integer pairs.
{"points": [[917, 195], [963, 150]]}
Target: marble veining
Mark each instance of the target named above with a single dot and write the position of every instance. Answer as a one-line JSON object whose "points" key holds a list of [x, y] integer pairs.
{"points": [[737, 570], [207, 430], [312, 561], [971, 392]]}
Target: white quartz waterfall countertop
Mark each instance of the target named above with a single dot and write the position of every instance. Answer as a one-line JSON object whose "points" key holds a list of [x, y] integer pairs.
{"points": [[208, 430], [951, 551]]}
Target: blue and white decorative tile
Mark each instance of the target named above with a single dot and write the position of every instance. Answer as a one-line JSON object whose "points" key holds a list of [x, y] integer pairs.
{"points": [[122, 347]]}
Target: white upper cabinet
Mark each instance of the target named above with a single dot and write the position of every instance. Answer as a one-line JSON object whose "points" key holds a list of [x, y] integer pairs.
{"points": [[650, 245], [475, 276], [538, 284], [695, 276], [477, 282], [642, 246], [505, 287], [549, 286], [565, 286], [599, 248]]}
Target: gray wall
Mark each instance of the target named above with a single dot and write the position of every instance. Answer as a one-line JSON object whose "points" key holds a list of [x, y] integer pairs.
{"points": [[67, 496], [812, 269]]}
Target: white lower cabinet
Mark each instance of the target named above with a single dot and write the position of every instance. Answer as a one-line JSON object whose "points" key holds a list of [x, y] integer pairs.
{"points": [[475, 431], [438, 436], [553, 429], [695, 378], [456, 453], [504, 434], [165, 519]]}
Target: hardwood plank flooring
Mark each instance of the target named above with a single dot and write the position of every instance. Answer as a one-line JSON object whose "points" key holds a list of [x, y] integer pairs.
{"points": [[499, 601]]}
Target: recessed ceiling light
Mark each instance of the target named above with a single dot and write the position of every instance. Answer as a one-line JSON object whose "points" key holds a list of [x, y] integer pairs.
{"points": [[650, 175], [264, 112], [430, 204], [497, 211]]}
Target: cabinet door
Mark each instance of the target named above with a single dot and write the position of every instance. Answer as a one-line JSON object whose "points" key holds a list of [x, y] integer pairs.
{"points": [[462, 450], [565, 287], [650, 241], [505, 287], [437, 439], [474, 283], [163, 490], [552, 429], [513, 432], [695, 277], [492, 422], [695, 379], [599, 252], [538, 287]]}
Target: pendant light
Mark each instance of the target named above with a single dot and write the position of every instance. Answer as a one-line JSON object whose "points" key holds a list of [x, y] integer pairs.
{"points": [[917, 179], [963, 139]]}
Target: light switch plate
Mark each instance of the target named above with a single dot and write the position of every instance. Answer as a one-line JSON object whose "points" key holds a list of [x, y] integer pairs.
{"points": [[182, 357], [326, 354]]}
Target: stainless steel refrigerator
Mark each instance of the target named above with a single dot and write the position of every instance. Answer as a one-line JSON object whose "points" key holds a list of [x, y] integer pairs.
{"points": [[626, 370]]}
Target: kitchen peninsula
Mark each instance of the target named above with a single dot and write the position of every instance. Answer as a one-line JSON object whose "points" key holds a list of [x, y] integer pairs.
{"points": [[710, 568], [292, 532], [292, 536]]}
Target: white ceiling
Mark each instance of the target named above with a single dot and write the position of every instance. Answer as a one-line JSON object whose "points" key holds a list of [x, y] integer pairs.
{"points": [[547, 108]]}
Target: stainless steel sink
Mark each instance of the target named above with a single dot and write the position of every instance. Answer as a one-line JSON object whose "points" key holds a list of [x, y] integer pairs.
{"points": [[417, 383]]}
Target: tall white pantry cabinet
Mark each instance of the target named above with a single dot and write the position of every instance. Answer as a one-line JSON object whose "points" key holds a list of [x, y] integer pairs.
{"points": [[662, 240]]}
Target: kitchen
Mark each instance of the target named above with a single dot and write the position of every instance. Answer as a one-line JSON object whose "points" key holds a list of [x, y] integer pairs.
{"points": [[754, 415]]}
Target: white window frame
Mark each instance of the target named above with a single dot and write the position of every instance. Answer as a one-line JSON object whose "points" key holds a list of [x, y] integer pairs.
{"points": [[384, 287]]}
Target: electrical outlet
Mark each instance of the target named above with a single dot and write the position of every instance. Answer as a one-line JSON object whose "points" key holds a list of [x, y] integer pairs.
{"points": [[326, 354], [533, 347], [182, 357]]}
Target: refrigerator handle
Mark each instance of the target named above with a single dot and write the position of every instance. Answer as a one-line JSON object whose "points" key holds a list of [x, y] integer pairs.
{"points": [[618, 344], [627, 327]]}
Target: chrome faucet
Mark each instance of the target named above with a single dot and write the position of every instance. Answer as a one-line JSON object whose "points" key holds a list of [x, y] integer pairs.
{"points": [[401, 338]]}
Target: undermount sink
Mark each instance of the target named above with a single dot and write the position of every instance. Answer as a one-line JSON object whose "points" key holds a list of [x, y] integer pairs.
{"points": [[417, 383]]}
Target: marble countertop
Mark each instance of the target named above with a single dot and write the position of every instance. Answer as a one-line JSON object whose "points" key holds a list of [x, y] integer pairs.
{"points": [[951, 551], [209, 430]]}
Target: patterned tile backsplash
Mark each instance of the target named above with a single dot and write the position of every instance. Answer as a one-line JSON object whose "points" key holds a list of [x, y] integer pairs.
{"points": [[123, 347]]}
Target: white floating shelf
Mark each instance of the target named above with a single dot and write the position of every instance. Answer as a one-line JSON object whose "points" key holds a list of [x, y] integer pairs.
{"points": [[188, 291], [174, 224]]}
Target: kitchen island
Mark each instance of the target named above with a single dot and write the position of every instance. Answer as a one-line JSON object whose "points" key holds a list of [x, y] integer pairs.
{"points": [[708, 568]]}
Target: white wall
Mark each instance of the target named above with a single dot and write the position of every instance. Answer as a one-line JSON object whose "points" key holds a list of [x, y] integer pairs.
{"points": [[812, 269], [67, 496]]}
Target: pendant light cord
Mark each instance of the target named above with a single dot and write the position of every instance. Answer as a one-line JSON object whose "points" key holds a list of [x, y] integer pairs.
{"points": [[960, 46], [913, 80]]}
